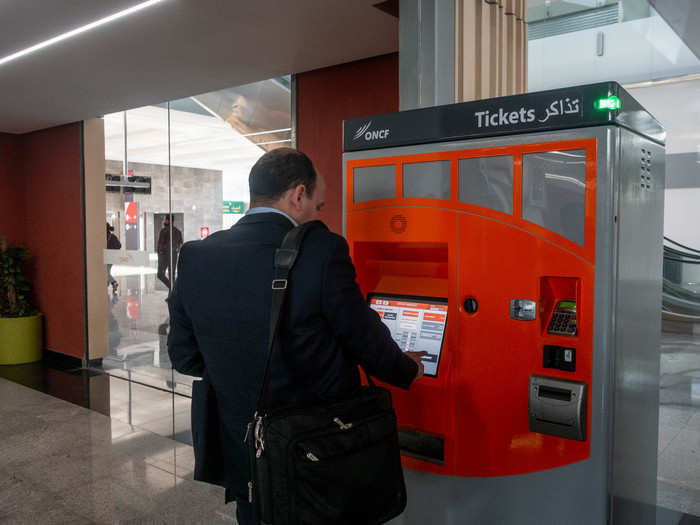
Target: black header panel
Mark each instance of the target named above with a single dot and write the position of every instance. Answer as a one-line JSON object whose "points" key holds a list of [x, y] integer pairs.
{"points": [[566, 108]]}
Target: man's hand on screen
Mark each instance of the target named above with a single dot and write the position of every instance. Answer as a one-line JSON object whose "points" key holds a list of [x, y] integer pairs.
{"points": [[416, 356]]}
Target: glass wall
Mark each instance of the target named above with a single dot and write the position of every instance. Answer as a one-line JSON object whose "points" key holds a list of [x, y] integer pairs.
{"points": [[174, 172]]}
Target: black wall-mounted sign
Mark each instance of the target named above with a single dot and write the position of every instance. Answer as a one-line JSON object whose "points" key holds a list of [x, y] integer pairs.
{"points": [[556, 109]]}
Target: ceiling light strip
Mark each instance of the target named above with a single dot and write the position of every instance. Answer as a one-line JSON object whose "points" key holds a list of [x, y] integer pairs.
{"points": [[266, 132], [79, 30], [206, 108], [271, 142]]}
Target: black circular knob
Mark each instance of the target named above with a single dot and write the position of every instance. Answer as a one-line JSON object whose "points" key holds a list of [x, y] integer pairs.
{"points": [[470, 305]]}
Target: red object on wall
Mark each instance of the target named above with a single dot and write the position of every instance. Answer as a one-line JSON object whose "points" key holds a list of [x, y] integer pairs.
{"points": [[133, 308], [325, 97], [131, 215]]}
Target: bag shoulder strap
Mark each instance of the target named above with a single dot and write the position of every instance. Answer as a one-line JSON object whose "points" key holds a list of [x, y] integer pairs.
{"points": [[285, 257]]}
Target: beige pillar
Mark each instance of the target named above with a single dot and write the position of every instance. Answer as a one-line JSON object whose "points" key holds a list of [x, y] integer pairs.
{"points": [[491, 48], [95, 243]]}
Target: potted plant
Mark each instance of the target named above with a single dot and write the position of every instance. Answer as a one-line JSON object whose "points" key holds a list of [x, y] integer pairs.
{"points": [[21, 337]]}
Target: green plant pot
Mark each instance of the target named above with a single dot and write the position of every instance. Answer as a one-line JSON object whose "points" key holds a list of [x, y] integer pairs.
{"points": [[21, 339]]}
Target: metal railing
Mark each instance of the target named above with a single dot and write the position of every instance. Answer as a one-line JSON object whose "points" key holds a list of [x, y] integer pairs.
{"points": [[681, 282]]}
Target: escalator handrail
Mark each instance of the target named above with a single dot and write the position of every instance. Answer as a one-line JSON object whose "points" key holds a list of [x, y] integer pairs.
{"points": [[682, 316], [669, 258], [681, 302], [681, 245], [679, 253]]}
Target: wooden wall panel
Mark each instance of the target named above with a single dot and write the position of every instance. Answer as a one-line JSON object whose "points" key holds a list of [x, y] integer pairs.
{"points": [[491, 49], [325, 98]]}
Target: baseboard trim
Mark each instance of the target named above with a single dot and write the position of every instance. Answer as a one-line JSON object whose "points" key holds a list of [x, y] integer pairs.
{"points": [[62, 361]]}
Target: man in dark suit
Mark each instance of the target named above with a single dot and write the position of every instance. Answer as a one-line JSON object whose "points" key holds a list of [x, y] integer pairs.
{"points": [[167, 251], [220, 309]]}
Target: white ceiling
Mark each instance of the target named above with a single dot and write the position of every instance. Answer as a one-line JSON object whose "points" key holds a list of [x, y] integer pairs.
{"points": [[171, 50], [195, 141]]}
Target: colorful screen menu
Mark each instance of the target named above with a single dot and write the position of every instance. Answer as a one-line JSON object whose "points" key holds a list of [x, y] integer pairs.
{"points": [[416, 324]]}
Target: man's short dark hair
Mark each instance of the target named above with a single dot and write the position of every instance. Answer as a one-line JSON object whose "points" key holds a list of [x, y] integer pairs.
{"points": [[278, 171]]}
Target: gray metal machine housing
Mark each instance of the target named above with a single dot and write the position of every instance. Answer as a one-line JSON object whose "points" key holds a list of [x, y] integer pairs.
{"points": [[617, 483]]}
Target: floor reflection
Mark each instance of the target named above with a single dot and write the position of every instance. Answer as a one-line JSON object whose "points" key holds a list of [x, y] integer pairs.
{"points": [[138, 331], [162, 412], [679, 423], [62, 463], [86, 388]]}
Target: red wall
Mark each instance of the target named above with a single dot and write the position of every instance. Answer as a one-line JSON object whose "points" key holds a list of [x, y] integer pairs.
{"points": [[327, 96], [41, 208], [11, 190], [52, 161]]}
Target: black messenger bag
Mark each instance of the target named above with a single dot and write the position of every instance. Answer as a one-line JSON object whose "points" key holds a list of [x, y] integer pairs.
{"points": [[336, 461]]}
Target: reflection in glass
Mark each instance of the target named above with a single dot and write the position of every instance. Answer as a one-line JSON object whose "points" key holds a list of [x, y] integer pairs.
{"points": [[430, 180], [554, 192], [374, 182], [487, 182], [178, 174]]}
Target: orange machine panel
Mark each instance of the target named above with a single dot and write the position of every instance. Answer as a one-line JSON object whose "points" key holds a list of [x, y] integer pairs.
{"points": [[478, 403], [421, 263]]}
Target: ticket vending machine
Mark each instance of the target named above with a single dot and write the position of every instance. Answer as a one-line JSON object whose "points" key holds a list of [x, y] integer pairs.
{"points": [[518, 241]]}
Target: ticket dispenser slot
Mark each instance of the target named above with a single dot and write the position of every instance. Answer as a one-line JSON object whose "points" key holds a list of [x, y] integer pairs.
{"points": [[422, 446], [558, 407]]}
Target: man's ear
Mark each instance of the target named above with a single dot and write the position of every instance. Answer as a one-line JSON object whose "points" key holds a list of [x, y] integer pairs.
{"points": [[299, 193]]}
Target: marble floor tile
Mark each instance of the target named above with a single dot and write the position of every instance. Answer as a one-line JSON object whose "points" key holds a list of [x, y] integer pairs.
{"points": [[107, 501], [63, 464], [675, 416], [24, 502], [678, 497], [680, 461], [666, 436]]}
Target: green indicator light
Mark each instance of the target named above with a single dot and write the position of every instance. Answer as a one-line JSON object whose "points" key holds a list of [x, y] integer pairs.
{"points": [[609, 104]]}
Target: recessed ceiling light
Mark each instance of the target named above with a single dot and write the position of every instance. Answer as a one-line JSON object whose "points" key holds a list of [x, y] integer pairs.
{"points": [[77, 31]]}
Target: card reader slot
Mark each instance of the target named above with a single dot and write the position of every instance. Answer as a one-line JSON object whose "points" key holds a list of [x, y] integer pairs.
{"points": [[550, 422], [422, 446], [551, 392]]}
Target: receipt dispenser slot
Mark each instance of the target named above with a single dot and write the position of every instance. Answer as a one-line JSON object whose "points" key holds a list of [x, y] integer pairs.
{"points": [[558, 407]]}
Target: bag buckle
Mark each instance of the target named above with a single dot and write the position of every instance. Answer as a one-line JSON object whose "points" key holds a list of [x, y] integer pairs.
{"points": [[279, 284], [258, 436], [343, 426]]}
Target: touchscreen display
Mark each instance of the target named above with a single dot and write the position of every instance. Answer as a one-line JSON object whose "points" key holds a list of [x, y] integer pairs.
{"points": [[416, 324]]}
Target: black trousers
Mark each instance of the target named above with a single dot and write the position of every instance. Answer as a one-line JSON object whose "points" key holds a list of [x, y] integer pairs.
{"points": [[244, 512], [163, 265]]}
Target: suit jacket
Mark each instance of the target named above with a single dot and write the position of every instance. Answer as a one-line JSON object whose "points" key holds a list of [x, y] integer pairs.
{"points": [[219, 322]]}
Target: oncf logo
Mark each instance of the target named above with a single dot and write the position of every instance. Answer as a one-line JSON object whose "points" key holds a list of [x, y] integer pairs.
{"points": [[364, 131], [398, 224]]}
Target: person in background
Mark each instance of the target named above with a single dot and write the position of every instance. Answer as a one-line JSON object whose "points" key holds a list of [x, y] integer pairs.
{"points": [[112, 244], [168, 251]]}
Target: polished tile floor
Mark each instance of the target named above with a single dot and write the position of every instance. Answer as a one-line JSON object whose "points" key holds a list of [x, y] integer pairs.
{"points": [[679, 423], [61, 463]]}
